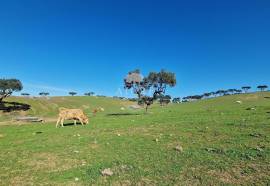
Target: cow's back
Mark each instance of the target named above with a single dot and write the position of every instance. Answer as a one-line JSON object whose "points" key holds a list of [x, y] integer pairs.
{"points": [[71, 113]]}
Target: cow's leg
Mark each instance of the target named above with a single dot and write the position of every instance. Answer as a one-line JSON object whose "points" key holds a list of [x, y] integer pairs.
{"points": [[58, 121], [75, 122], [62, 122]]}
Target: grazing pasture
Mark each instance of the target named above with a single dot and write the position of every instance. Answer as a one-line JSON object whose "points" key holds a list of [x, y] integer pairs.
{"points": [[208, 142]]}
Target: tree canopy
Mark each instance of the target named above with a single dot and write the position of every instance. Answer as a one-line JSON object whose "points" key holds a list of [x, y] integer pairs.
{"points": [[89, 94], [25, 94], [72, 93], [156, 81], [44, 93], [246, 88], [8, 86], [262, 87]]}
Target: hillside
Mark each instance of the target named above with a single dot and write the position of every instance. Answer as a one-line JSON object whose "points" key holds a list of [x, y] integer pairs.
{"points": [[47, 108], [208, 142]]}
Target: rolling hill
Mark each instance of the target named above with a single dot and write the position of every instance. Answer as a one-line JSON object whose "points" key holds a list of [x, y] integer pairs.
{"points": [[209, 142]]}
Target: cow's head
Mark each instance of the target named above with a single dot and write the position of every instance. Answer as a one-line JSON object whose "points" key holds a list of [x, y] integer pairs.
{"points": [[85, 119]]}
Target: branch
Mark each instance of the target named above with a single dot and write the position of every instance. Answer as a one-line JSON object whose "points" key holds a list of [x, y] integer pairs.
{"points": [[5, 95]]}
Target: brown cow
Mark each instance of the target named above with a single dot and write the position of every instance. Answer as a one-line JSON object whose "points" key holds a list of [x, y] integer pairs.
{"points": [[71, 114]]}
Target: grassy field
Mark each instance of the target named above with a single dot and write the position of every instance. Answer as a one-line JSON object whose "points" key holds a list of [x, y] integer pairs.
{"points": [[223, 144]]}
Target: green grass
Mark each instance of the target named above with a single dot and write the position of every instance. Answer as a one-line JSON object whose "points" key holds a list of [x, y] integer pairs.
{"points": [[224, 144]]}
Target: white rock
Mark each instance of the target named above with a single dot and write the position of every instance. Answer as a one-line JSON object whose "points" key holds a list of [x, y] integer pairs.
{"points": [[107, 172], [179, 148]]}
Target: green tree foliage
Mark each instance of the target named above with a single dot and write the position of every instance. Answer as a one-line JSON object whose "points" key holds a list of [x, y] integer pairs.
{"points": [[246, 89], [8, 86], [89, 94], [164, 100], [207, 95], [44, 93], [25, 94], [156, 81], [176, 100], [262, 87], [72, 93]]}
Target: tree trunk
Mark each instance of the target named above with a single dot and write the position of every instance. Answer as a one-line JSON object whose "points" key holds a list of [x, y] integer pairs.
{"points": [[4, 96], [146, 109]]}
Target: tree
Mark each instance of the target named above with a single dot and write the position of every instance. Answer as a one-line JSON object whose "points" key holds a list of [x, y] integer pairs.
{"points": [[157, 81], [238, 91], [246, 89], [185, 99], [196, 97], [8, 86], [176, 100], [25, 94], [164, 100], [231, 91], [213, 94], [89, 94], [72, 93], [220, 92], [44, 93], [207, 95], [262, 87]]}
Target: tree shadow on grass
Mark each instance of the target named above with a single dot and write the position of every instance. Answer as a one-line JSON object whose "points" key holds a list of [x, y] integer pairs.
{"points": [[123, 114], [13, 106]]}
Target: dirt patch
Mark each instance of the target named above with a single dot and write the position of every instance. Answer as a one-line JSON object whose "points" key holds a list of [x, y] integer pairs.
{"points": [[13, 122]]}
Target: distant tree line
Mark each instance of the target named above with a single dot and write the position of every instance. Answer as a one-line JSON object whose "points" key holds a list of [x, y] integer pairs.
{"points": [[158, 81], [244, 89]]}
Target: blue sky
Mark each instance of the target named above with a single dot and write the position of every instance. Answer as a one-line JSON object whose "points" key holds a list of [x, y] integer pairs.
{"points": [[79, 45]]}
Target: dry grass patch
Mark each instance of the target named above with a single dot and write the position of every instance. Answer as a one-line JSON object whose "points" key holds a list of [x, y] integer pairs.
{"points": [[22, 180], [93, 146], [243, 174], [252, 97], [50, 162]]}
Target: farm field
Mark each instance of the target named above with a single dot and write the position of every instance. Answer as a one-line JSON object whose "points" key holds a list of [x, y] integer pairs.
{"points": [[209, 142]]}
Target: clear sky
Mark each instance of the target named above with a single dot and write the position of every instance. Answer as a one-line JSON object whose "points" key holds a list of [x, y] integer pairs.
{"points": [[90, 45]]}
